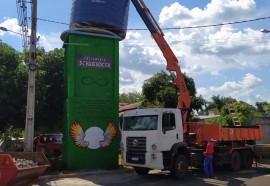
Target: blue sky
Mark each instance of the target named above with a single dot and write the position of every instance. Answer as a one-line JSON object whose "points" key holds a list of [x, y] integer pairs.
{"points": [[232, 60]]}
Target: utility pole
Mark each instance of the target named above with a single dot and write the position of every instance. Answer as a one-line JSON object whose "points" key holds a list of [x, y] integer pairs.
{"points": [[30, 107]]}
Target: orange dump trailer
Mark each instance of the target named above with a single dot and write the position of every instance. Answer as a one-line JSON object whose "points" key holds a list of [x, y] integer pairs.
{"points": [[13, 174], [234, 145], [224, 134]]}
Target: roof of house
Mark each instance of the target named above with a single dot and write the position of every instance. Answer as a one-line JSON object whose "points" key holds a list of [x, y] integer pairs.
{"points": [[206, 116]]}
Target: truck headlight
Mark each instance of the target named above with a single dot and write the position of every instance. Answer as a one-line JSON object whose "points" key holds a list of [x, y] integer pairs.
{"points": [[153, 156], [154, 147]]}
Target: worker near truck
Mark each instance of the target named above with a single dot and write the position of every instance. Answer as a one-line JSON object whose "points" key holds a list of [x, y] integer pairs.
{"points": [[208, 158]]}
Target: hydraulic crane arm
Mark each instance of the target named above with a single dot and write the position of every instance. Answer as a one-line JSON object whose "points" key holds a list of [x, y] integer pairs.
{"points": [[184, 99]]}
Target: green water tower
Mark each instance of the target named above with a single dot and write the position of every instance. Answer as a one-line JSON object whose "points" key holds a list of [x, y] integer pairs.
{"points": [[91, 136]]}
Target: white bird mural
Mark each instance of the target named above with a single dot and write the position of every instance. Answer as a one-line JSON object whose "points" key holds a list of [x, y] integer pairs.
{"points": [[93, 137]]}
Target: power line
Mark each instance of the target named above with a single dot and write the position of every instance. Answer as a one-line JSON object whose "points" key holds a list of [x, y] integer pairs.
{"points": [[190, 42], [178, 28], [196, 42], [220, 24], [236, 42], [179, 44], [51, 21]]}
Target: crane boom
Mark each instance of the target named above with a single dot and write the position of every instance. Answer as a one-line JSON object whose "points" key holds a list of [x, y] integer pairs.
{"points": [[184, 99]]}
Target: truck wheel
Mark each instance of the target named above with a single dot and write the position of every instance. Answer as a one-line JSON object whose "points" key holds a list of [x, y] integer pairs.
{"points": [[141, 170], [180, 167], [247, 159], [235, 161]]}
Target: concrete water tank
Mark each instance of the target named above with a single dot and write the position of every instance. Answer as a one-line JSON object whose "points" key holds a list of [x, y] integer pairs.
{"points": [[100, 16]]}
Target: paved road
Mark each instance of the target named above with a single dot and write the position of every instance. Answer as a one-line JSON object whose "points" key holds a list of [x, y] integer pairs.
{"points": [[259, 176]]}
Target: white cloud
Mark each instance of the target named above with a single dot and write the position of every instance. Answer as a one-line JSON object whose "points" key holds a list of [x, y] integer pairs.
{"points": [[140, 53], [131, 80], [12, 25], [133, 35], [229, 40], [139, 60], [216, 48], [215, 73], [192, 69], [216, 10], [246, 89], [50, 42]]}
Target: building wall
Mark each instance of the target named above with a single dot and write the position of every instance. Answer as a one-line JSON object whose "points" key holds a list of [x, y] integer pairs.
{"points": [[265, 121]]}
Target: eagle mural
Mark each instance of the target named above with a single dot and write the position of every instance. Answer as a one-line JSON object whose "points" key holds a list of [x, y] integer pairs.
{"points": [[93, 137]]}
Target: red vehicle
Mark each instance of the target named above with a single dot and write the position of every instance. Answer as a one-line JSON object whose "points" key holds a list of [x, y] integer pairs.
{"points": [[49, 144]]}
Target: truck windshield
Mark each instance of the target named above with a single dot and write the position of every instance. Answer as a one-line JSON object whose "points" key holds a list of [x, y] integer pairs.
{"points": [[140, 123]]}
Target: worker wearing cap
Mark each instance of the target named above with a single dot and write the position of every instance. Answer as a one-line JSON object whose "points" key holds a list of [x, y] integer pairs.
{"points": [[208, 158]]}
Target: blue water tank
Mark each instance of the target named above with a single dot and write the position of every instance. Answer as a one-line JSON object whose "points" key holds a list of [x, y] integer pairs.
{"points": [[101, 16]]}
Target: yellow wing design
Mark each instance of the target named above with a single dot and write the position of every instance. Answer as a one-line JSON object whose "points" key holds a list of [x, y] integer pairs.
{"points": [[78, 135], [109, 135]]}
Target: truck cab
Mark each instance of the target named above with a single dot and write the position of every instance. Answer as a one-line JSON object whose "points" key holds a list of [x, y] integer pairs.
{"points": [[151, 138]]}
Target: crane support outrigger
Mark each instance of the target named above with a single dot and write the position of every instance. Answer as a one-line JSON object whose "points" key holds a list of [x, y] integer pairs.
{"points": [[184, 99]]}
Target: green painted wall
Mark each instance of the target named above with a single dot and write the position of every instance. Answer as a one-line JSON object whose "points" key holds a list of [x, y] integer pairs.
{"points": [[91, 136]]}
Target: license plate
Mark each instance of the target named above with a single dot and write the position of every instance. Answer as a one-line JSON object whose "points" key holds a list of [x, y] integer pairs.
{"points": [[135, 159]]}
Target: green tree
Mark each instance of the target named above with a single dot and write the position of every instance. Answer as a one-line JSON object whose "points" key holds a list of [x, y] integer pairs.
{"points": [[152, 86], [245, 113], [131, 97], [13, 83], [262, 107], [217, 102], [267, 109], [198, 103], [49, 98], [50, 91], [161, 91]]}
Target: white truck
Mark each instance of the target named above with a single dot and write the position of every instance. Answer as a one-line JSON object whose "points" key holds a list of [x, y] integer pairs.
{"points": [[152, 138], [157, 138]]}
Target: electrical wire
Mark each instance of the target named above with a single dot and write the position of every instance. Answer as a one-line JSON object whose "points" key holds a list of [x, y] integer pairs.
{"points": [[181, 43], [219, 24], [219, 42], [46, 20], [22, 16], [174, 43], [178, 28]]}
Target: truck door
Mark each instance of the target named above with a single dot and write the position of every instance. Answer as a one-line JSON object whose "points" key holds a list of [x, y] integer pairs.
{"points": [[170, 132]]}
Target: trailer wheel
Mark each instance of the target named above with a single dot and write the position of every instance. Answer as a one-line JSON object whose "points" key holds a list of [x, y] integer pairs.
{"points": [[247, 159], [235, 161], [141, 170], [180, 167]]}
